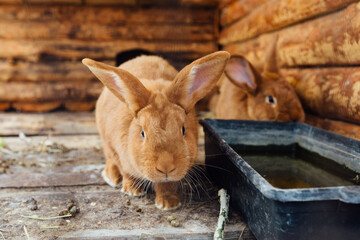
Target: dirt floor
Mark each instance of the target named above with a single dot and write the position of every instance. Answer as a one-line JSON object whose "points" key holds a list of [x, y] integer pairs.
{"points": [[41, 174]]}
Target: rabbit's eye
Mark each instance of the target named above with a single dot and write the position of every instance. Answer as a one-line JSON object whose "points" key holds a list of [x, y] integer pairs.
{"points": [[271, 100], [142, 133], [183, 131]]}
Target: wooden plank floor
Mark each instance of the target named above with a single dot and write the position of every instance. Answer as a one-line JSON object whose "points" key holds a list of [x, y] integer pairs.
{"points": [[67, 165]]}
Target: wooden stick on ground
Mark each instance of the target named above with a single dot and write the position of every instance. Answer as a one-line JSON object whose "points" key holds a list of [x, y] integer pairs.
{"points": [[223, 215], [26, 233], [46, 218], [2, 235]]}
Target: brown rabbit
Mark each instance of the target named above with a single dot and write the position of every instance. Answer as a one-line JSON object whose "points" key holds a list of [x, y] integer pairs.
{"points": [[245, 94], [147, 121]]}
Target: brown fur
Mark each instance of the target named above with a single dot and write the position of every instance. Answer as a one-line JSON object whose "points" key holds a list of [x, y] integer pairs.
{"points": [[244, 93], [236, 103], [160, 101]]}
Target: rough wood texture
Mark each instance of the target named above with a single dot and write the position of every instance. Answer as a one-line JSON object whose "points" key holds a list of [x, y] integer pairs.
{"points": [[339, 127], [111, 2], [11, 1], [105, 14], [80, 106], [46, 71], [49, 91], [94, 31], [4, 106], [172, 3], [253, 50], [224, 3], [237, 10], [77, 49], [329, 40], [35, 107], [329, 92], [275, 14], [56, 123], [77, 2]]}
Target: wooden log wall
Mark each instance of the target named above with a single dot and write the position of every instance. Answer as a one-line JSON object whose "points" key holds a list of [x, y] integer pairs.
{"points": [[317, 50], [42, 43]]}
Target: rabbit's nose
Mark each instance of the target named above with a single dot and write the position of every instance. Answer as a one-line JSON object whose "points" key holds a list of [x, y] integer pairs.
{"points": [[165, 163], [165, 169]]}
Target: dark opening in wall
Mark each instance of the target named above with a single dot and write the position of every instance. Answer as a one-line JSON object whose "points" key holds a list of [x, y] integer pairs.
{"points": [[130, 54]]}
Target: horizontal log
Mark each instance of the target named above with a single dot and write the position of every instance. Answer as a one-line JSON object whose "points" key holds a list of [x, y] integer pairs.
{"points": [[167, 3], [313, 43], [11, 1], [76, 106], [343, 128], [45, 71], [49, 91], [94, 31], [35, 107], [224, 3], [275, 14], [4, 106], [237, 10], [200, 3], [329, 92], [106, 15], [77, 2], [253, 50], [56, 123], [111, 2], [330, 40], [77, 49]]}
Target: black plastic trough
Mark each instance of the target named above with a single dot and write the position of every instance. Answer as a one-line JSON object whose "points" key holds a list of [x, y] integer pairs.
{"points": [[273, 213]]}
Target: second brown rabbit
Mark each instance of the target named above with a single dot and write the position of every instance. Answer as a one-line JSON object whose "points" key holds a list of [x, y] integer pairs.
{"points": [[248, 95]]}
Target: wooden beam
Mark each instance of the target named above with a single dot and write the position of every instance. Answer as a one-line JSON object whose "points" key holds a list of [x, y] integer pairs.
{"points": [[343, 128], [111, 2], [224, 3], [276, 14], [11, 1], [34, 50], [49, 91], [77, 2], [4, 106], [329, 92], [55, 123], [106, 15], [330, 40], [35, 107], [237, 10], [313, 43], [76, 106], [199, 3], [95, 31], [46, 71], [253, 50]]}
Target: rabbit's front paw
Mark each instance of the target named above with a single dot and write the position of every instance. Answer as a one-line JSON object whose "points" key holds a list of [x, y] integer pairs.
{"points": [[167, 201], [132, 188], [112, 179]]}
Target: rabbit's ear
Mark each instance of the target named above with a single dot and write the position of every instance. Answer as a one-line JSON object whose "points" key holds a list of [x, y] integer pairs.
{"points": [[270, 65], [121, 83], [240, 72], [197, 79]]}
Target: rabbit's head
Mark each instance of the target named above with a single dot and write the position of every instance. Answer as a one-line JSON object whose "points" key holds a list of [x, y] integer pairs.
{"points": [[162, 138], [268, 97]]}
